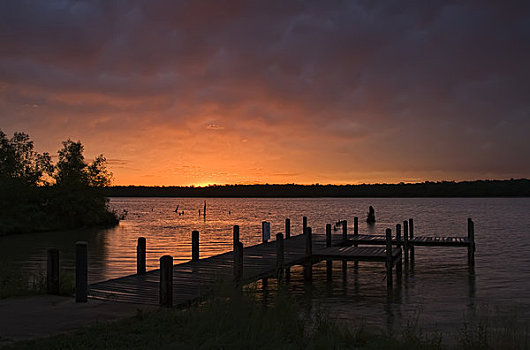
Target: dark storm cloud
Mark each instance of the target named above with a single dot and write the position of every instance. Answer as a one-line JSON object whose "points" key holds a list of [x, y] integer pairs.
{"points": [[437, 86]]}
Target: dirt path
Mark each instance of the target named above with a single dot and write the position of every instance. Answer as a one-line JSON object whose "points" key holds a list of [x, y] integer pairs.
{"points": [[45, 315]]}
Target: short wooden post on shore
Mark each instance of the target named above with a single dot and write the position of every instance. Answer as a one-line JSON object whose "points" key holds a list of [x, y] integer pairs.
{"points": [[235, 235], [304, 224], [52, 273], [389, 258], [238, 262], [140, 256], [355, 229], [81, 272], [166, 281], [471, 239], [280, 253], [308, 266], [195, 245], [406, 241], [411, 237], [287, 228]]}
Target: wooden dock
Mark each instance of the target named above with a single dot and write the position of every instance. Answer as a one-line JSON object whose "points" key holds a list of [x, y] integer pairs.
{"points": [[195, 279], [188, 282]]}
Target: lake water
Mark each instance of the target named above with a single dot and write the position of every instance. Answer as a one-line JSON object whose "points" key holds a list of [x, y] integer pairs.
{"points": [[441, 291]]}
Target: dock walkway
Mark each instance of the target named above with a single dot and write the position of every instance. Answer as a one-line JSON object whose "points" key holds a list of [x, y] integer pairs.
{"points": [[193, 280]]}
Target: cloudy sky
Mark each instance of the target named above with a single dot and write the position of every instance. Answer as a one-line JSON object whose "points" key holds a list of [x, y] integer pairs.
{"points": [[228, 91]]}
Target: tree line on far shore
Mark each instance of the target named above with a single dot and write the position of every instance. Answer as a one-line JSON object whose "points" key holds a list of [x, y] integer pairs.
{"points": [[479, 188], [37, 195]]}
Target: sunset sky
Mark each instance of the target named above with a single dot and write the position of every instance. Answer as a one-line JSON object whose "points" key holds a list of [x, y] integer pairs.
{"points": [[204, 92]]}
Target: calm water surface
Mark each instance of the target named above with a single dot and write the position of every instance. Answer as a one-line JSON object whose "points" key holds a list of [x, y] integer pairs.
{"points": [[441, 290]]}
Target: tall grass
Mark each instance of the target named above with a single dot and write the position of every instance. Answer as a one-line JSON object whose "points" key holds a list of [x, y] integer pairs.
{"points": [[15, 282], [235, 320]]}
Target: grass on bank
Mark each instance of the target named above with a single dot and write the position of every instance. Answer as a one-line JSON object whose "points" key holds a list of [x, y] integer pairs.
{"points": [[234, 321], [15, 283]]}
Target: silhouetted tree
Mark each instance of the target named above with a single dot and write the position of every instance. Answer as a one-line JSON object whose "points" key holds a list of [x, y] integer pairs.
{"points": [[75, 200], [19, 162], [72, 169]]}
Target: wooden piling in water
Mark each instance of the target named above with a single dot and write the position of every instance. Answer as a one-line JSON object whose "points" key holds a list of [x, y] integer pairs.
{"points": [[308, 242], [287, 228], [355, 229], [411, 236], [389, 259], [238, 262], [166, 281], [344, 239], [328, 235], [52, 272], [471, 238], [304, 224], [140, 256], [265, 231], [81, 272], [308, 265], [399, 266], [329, 262], [406, 241], [280, 253], [235, 235], [195, 245]]}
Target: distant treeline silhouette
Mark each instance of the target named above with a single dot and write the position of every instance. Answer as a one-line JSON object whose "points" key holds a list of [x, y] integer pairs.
{"points": [[480, 188]]}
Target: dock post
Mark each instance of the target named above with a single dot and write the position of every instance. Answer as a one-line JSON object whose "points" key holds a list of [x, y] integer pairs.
{"points": [[471, 239], [399, 243], [265, 231], [280, 252], [287, 228], [344, 239], [411, 236], [195, 245], [329, 262], [406, 241], [81, 272], [52, 273], [166, 281], [308, 266], [238, 262], [355, 229], [304, 224], [328, 235], [140, 256], [235, 235], [389, 263]]}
